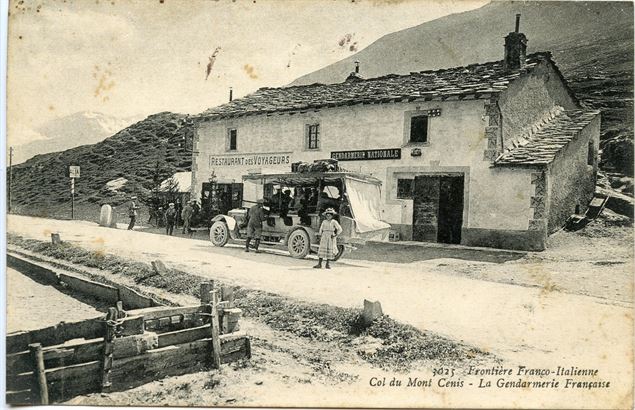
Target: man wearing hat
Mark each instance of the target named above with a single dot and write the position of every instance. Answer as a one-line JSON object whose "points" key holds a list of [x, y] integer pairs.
{"points": [[329, 230], [186, 214], [256, 216], [170, 218], [132, 212]]}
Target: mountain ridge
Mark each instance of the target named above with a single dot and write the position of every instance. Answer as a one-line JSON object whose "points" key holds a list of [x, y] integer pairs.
{"points": [[70, 131], [451, 41]]}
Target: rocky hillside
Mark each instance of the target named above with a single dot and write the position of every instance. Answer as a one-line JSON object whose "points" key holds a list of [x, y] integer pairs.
{"points": [[142, 154], [592, 43]]}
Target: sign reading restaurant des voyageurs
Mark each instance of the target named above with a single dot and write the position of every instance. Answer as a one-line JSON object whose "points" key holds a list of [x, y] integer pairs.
{"points": [[277, 158]]}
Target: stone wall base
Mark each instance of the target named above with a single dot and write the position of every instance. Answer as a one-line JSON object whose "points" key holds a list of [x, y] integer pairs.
{"points": [[530, 240], [405, 231], [504, 239]]}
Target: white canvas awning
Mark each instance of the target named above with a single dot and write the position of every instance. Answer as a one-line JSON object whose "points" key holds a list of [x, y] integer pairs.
{"points": [[182, 179]]}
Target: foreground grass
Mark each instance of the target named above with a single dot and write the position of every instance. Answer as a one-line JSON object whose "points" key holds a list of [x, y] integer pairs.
{"points": [[396, 346]]}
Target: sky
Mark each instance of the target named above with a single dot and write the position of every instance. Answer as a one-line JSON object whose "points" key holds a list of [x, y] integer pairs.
{"points": [[133, 58]]}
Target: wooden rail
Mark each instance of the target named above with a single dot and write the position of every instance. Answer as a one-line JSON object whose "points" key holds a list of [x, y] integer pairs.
{"points": [[123, 349], [111, 292]]}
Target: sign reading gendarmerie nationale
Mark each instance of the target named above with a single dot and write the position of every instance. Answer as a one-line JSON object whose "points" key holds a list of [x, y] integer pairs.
{"points": [[367, 154]]}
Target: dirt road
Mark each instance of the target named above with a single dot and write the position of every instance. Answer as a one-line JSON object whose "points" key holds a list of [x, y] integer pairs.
{"points": [[538, 327]]}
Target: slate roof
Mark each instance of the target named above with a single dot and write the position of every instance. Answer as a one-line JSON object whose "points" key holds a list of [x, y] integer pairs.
{"points": [[541, 147], [468, 82]]}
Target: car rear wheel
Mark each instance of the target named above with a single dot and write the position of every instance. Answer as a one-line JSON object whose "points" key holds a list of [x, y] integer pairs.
{"points": [[299, 244], [219, 233], [340, 252]]}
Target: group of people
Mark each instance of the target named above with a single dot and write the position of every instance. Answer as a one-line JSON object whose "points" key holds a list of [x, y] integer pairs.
{"points": [[330, 229], [305, 201], [169, 217]]}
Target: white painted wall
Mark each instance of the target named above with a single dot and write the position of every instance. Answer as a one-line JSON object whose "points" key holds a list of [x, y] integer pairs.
{"points": [[494, 198]]}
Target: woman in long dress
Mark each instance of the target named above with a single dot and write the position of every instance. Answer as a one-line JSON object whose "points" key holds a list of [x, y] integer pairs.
{"points": [[329, 230]]}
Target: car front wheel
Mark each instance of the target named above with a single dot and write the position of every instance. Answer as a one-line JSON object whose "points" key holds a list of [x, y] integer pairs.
{"points": [[219, 233], [299, 244]]}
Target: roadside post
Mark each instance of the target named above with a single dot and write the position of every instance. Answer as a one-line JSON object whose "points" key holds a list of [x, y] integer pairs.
{"points": [[73, 172]]}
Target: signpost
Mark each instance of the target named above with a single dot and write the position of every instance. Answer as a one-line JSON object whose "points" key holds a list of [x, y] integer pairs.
{"points": [[73, 172]]}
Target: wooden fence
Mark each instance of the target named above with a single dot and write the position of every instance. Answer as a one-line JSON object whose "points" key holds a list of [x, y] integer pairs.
{"points": [[124, 349]]}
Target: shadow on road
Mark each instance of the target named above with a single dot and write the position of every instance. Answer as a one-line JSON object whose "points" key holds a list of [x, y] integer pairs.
{"points": [[393, 252], [407, 253]]}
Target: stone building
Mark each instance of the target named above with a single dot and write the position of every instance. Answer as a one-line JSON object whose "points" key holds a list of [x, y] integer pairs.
{"points": [[495, 154]]}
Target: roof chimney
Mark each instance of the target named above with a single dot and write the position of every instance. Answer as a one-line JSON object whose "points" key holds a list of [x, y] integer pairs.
{"points": [[515, 48], [231, 94], [354, 75]]}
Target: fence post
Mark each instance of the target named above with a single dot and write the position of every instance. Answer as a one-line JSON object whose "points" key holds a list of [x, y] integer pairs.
{"points": [[215, 330], [227, 295], [206, 288], [110, 329], [38, 359]]}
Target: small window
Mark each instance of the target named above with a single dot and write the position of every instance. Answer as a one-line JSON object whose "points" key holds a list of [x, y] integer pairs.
{"points": [[419, 128], [232, 140], [313, 136], [591, 155], [404, 188]]}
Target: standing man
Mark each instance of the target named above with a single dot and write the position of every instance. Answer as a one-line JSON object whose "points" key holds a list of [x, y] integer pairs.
{"points": [[170, 218], [256, 217], [132, 212], [186, 214], [179, 210]]}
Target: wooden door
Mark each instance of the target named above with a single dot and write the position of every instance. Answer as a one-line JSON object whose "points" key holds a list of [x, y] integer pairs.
{"points": [[425, 208], [450, 209]]}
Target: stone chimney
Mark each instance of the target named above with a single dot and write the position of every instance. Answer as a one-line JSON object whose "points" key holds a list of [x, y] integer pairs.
{"points": [[515, 48], [355, 76], [231, 94]]}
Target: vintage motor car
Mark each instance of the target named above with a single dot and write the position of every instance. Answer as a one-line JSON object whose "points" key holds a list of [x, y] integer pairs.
{"points": [[354, 196]]}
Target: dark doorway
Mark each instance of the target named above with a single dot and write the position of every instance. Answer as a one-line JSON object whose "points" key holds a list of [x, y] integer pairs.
{"points": [[438, 208], [450, 210], [218, 198]]}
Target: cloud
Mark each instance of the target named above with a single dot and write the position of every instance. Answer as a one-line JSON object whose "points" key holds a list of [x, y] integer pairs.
{"points": [[20, 134]]}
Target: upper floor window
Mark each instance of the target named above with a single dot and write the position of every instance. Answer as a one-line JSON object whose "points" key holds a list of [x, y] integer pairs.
{"points": [[313, 136], [232, 139], [591, 154], [419, 128]]}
